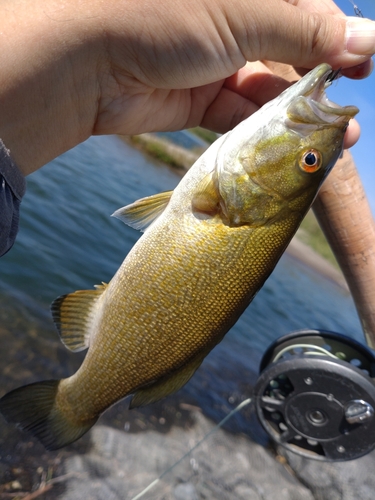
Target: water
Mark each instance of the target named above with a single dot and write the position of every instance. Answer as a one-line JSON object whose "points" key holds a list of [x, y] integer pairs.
{"points": [[68, 241]]}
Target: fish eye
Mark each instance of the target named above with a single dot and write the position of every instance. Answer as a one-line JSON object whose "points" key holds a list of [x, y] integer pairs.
{"points": [[311, 161]]}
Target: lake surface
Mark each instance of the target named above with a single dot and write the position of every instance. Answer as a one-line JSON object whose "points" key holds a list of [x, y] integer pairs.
{"points": [[68, 241]]}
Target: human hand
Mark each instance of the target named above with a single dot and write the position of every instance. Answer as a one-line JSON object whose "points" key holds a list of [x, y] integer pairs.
{"points": [[125, 67], [193, 53]]}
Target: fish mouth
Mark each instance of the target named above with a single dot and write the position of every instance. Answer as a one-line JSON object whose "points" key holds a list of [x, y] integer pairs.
{"points": [[310, 104]]}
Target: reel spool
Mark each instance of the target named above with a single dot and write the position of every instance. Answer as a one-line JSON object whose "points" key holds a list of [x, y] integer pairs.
{"points": [[316, 395]]}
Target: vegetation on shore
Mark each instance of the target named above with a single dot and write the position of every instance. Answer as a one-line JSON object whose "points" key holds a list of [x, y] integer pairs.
{"points": [[311, 234], [203, 133], [165, 151]]}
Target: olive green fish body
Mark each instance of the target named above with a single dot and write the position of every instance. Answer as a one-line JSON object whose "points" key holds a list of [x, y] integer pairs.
{"points": [[207, 249], [194, 274]]}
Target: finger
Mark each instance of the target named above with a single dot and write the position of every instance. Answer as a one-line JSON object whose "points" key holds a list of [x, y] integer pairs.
{"points": [[290, 34], [329, 7], [326, 6], [226, 111], [352, 134], [257, 83], [360, 71]]}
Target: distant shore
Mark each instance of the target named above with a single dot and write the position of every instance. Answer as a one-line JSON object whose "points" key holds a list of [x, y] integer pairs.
{"points": [[309, 257]]}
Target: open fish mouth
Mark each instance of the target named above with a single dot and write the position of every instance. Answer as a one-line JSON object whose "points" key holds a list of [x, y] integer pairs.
{"points": [[311, 104]]}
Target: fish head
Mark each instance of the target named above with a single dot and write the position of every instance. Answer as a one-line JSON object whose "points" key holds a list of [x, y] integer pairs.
{"points": [[278, 160]]}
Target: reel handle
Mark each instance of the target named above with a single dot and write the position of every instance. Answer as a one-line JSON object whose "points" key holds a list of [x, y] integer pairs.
{"points": [[345, 217]]}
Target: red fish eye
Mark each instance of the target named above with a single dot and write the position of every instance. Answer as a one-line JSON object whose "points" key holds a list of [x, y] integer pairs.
{"points": [[311, 161]]}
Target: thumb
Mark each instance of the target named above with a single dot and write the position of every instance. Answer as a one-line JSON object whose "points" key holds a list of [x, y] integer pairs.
{"points": [[286, 33]]}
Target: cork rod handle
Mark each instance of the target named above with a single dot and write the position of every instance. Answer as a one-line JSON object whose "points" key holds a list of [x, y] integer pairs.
{"points": [[344, 215]]}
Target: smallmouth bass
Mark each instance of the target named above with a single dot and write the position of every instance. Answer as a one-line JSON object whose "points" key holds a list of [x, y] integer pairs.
{"points": [[207, 249]]}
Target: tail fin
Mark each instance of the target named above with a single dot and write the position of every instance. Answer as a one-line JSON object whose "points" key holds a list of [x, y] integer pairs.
{"points": [[32, 407]]}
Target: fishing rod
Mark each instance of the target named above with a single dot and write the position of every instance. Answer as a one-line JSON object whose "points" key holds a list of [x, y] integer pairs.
{"points": [[316, 389], [315, 393]]}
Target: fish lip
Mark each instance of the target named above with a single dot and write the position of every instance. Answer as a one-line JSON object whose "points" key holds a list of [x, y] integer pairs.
{"points": [[314, 91]]}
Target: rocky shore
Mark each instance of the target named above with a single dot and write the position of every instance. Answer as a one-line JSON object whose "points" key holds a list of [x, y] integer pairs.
{"points": [[118, 465], [225, 467], [128, 450]]}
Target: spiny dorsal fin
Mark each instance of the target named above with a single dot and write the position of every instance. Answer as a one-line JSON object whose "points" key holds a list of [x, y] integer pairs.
{"points": [[72, 316], [168, 384], [143, 212]]}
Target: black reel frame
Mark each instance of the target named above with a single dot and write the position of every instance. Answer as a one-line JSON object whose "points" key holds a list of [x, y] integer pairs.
{"points": [[316, 395]]}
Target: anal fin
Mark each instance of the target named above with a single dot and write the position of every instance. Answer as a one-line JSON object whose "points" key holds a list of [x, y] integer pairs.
{"points": [[72, 315], [166, 385]]}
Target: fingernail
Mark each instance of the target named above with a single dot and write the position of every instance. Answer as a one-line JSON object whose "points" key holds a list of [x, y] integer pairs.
{"points": [[360, 36]]}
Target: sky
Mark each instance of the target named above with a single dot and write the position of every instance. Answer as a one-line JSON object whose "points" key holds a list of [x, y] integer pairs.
{"points": [[360, 93]]}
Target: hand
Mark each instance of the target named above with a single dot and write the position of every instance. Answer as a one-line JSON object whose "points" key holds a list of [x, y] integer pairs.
{"points": [[193, 50], [70, 70]]}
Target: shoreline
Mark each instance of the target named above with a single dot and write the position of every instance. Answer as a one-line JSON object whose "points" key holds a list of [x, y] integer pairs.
{"points": [[309, 257]]}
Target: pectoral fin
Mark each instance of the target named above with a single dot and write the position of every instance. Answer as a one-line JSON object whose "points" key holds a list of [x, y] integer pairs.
{"points": [[167, 385], [72, 315], [206, 199], [143, 212]]}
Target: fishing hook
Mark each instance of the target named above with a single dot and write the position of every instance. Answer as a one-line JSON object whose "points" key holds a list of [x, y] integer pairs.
{"points": [[357, 10]]}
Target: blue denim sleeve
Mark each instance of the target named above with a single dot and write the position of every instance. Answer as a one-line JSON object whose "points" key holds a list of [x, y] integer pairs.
{"points": [[12, 189]]}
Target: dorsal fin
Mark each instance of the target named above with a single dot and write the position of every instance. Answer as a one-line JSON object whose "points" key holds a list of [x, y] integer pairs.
{"points": [[143, 212], [72, 316]]}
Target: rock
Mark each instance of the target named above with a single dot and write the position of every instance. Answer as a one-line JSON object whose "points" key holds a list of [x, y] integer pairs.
{"points": [[120, 465], [351, 480], [185, 491]]}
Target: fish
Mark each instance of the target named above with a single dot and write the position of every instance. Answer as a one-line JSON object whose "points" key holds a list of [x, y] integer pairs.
{"points": [[207, 248]]}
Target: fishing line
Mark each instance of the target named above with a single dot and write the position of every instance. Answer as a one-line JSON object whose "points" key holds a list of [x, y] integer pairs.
{"points": [[317, 351], [214, 429]]}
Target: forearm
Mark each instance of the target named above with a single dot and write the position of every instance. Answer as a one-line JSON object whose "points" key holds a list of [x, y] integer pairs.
{"points": [[48, 78]]}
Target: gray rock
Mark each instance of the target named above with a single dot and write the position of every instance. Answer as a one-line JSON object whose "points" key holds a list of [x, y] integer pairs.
{"points": [[120, 465], [185, 491], [353, 480]]}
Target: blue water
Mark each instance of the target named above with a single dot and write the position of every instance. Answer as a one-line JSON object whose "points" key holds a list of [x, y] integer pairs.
{"points": [[68, 240], [184, 139]]}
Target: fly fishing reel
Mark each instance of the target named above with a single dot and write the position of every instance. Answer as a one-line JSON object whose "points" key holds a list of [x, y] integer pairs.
{"points": [[316, 395]]}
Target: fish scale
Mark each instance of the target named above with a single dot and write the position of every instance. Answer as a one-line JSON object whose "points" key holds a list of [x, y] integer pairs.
{"points": [[218, 301]]}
